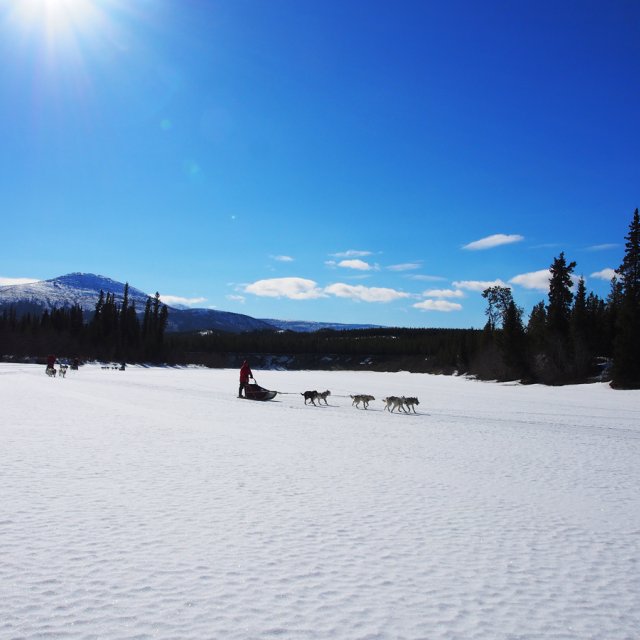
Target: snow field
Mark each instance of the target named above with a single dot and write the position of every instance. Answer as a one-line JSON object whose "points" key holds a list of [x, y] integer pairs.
{"points": [[154, 504]]}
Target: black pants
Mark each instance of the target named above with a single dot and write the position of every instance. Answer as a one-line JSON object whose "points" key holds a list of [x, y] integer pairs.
{"points": [[243, 386]]}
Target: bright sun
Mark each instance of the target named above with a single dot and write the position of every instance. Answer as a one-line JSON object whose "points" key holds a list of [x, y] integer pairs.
{"points": [[58, 18]]}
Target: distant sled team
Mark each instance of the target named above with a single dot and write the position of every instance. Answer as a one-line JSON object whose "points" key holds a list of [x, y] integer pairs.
{"points": [[51, 371]]}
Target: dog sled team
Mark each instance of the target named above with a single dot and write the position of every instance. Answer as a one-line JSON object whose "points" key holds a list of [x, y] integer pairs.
{"points": [[51, 370], [311, 397], [391, 403], [62, 369]]}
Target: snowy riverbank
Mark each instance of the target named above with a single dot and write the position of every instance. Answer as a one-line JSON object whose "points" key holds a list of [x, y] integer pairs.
{"points": [[152, 503]]}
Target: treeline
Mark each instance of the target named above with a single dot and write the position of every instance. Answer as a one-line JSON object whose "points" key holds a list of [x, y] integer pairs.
{"points": [[385, 349], [572, 336], [114, 332]]}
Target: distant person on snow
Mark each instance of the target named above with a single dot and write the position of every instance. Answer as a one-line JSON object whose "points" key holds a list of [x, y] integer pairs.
{"points": [[51, 360], [245, 374]]}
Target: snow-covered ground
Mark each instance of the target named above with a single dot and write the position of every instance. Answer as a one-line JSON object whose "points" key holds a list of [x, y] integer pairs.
{"points": [[153, 504]]}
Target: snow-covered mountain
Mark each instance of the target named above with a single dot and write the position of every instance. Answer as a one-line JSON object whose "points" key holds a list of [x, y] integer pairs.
{"points": [[308, 326], [83, 289]]}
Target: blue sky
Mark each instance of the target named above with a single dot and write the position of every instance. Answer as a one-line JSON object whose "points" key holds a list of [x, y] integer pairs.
{"points": [[351, 161]]}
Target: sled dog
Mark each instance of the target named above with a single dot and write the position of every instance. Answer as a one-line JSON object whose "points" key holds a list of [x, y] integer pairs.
{"points": [[322, 395], [361, 397], [310, 395], [411, 403], [51, 372], [62, 371], [394, 402]]}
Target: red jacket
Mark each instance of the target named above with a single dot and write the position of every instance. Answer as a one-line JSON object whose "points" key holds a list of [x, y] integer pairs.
{"points": [[245, 372]]}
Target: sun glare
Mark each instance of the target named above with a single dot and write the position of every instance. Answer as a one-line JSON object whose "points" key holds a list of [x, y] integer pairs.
{"points": [[59, 19]]}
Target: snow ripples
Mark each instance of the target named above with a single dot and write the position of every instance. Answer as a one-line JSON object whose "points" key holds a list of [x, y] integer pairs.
{"points": [[144, 515]]}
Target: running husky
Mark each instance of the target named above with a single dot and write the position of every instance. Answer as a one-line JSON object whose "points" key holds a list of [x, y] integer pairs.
{"points": [[362, 397], [310, 395], [394, 402], [411, 403]]}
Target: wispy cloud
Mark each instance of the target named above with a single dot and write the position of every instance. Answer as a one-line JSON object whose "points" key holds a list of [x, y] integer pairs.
{"points": [[546, 245], [292, 288], [236, 298], [605, 274], [438, 305], [537, 280], [602, 247], [406, 266], [282, 258], [478, 285], [495, 240], [425, 278], [365, 294], [443, 293], [173, 301], [9, 282], [358, 265], [352, 253]]}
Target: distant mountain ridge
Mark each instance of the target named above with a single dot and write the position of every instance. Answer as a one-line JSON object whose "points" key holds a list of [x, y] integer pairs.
{"points": [[309, 326], [83, 289]]}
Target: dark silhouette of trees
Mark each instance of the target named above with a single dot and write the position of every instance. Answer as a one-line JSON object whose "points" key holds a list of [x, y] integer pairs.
{"points": [[626, 365], [503, 354], [560, 296], [575, 335], [113, 331]]}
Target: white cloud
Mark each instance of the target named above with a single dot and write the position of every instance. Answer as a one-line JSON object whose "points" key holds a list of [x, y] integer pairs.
{"points": [[365, 294], [538, 280], [173, 301], [478, 285], [604, 274], [352, 253], [292, 288], [602, 247], [495, 240], [407, 266], [438, 305], [9, 282], [282, 258], [359, 265], [443, 293], [236, 298]]}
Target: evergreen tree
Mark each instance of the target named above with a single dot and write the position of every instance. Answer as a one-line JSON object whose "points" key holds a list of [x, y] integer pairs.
{"points": [[536, 327], [560, 296], [498, 300], [512, 341], [582, 355], [626, 363]]}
